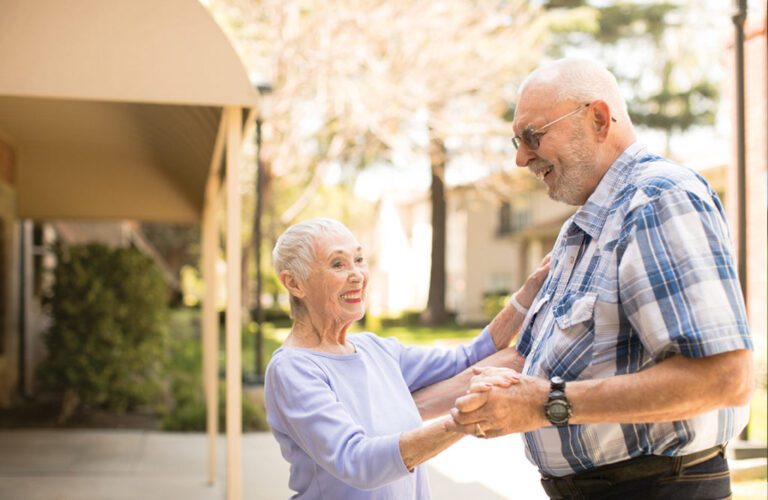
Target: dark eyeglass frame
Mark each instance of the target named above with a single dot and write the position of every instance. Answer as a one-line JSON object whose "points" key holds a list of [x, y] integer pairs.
{"points": [[532, 137]]}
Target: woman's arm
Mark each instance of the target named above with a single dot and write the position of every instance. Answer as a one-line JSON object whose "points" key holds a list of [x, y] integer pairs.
{"points": [[437, 399], [419, 445], [505, 326]]}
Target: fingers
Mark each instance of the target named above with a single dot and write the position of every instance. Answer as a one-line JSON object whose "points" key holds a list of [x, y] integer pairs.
{"points": [[488, 377], [545, 261], [470, 402], [485, 383], [496, 371], [469, 429]]}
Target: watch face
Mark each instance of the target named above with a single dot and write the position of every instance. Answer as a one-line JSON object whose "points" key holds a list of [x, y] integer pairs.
{"points": [[558, 410]]}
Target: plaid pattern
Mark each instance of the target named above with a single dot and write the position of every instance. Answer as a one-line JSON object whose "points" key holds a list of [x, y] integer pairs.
{"points": [[643, 271]]}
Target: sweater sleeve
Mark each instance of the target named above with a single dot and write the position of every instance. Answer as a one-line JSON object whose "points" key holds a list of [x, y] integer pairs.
{"points": [[423, 366], [302, 404]]}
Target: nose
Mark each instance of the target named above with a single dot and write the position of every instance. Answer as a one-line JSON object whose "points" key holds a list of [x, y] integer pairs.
{"points": [[524, 156], [356, 275]]}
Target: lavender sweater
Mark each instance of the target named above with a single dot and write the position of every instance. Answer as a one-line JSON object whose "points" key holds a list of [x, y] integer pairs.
{"points": [[338, 419]]}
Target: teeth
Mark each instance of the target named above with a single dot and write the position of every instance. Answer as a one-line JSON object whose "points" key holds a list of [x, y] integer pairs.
{"points": [[540, 174], [350, 296]]}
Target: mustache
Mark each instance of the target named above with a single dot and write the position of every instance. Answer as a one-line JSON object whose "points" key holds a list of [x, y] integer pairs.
{"points": [[539, 166]]}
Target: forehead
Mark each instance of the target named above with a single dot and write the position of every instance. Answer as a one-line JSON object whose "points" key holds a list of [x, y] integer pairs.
{"points": [[331, 242], [533, 108]]}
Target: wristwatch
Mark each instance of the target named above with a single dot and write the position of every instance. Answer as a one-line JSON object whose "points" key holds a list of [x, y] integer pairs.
{"points": [[557, 409]]}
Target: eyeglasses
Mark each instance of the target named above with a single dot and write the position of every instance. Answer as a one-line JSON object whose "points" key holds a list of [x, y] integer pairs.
{"points": [[532, 138]]}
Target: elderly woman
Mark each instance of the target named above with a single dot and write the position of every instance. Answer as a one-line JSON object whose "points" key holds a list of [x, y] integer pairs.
{"points": [[341, 405]]}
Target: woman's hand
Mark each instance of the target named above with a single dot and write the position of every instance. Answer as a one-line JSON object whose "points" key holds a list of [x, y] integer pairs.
{"points": [[506, 324], [487, 377], [530, 288]]}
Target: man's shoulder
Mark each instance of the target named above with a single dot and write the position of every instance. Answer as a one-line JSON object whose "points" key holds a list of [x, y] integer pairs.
{"points": [[658, 177]]}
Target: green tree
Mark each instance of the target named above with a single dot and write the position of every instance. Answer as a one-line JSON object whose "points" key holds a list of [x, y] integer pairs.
{"points": [[671, 87]]}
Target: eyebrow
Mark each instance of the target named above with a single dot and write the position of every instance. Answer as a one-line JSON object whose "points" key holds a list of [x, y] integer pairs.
{"points": [[343, 252]]}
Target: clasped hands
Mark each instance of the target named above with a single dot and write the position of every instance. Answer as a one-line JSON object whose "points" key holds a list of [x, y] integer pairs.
{"points": [[500, 401]]}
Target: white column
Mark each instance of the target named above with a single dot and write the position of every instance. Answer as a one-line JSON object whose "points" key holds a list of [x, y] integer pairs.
{"points": [[210, 323], [233, 356]]}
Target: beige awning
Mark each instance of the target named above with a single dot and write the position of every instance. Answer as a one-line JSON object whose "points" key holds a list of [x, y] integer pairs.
{"points": [[112, 107], [126, 109]]}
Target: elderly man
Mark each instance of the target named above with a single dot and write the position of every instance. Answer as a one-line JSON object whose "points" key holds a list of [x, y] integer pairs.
{"points": [[635, 356]]}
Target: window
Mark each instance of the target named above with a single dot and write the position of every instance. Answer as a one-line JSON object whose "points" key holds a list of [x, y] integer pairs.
{"points": [[514, 215]]}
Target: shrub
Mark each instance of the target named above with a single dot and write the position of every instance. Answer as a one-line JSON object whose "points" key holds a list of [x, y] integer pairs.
{"points": [[494, 301], [106, 340], [183, 408], [188, 413]]}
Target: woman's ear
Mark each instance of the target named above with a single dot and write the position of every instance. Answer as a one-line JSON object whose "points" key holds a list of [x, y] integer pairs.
{"points": [[292, 284]]}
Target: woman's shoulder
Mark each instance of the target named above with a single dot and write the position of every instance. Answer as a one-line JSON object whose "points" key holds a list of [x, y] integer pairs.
{"points": [[288, 362]]}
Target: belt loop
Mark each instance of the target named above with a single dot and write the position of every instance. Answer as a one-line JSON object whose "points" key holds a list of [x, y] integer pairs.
{"points": [[677, 465]]}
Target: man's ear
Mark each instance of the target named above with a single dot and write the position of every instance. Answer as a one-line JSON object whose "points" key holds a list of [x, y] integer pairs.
{"points": [[601, 119], [294, 286]]}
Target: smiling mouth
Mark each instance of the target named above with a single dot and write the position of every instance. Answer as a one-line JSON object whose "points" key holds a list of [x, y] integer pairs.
{"points": [[543, 172], [353, 296]]}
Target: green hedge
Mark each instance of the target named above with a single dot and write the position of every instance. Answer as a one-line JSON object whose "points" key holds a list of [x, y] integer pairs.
{"points": [[106, 343]]}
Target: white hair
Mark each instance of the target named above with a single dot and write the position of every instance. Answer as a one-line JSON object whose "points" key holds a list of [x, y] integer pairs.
{"points": [[295, 249], [579, 79]]}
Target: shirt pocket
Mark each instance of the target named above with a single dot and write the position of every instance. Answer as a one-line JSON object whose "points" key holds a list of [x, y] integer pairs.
{"points": [[570, 353], [574, 310]]}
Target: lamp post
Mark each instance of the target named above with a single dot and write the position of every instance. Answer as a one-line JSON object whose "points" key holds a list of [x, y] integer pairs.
{"points": [[739, 17], [258, 310]]}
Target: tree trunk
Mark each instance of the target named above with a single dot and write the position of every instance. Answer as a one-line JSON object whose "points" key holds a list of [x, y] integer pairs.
{"points": [[436, 313]]}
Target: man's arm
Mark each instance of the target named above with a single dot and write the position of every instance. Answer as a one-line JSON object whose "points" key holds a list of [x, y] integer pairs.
{"points": [[677, 388]]}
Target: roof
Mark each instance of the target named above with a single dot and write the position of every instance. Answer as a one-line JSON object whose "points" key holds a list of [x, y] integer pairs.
{"points": [[112, 107]]}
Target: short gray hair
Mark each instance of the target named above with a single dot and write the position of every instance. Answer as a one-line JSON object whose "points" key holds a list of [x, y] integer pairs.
{"points": [[580, 79], [295, 249]]}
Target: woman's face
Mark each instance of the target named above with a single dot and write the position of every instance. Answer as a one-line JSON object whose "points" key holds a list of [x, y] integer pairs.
{"points": [[337, 282]]}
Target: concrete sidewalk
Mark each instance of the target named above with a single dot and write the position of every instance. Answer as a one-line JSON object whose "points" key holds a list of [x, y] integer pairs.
{"points": [[123, 465]]}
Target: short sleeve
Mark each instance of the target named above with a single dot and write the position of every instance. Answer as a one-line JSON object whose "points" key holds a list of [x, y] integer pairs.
{"points": [[677, 279], [301, 404]]}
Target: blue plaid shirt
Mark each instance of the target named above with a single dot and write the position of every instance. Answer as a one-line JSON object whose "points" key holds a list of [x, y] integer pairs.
{"points": [[644, 270]]}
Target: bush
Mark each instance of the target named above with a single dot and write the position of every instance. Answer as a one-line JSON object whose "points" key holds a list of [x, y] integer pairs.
{"points": [[189, 414], [493, 302], [183, 408], [106, 340]]}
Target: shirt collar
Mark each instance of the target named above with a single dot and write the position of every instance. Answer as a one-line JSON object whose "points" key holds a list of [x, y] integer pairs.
{"points": [[591, 216]]}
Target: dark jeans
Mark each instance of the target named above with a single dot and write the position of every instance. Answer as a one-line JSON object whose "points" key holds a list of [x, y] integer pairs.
{"points": [[709, 480]]}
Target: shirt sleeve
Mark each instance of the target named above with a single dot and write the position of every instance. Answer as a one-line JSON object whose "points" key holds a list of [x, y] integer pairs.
{"points": [[677, 278], [423, 366], [302, 404]]}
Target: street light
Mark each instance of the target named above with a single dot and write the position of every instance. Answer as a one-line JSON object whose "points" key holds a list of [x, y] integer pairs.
{"points": [[258, 311]]}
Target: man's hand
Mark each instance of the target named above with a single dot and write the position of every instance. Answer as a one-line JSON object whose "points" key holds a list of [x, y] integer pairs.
{"points": [[501, 411]]}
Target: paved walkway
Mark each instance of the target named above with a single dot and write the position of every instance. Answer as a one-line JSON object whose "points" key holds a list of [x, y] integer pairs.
{"points": [[123, 465]]}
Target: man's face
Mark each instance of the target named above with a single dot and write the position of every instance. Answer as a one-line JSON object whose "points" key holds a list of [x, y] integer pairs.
{"points": [[565, 159]]}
